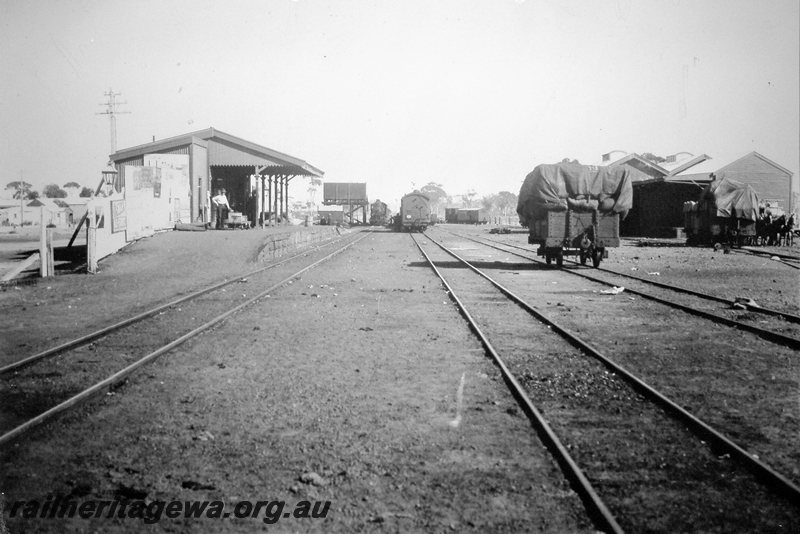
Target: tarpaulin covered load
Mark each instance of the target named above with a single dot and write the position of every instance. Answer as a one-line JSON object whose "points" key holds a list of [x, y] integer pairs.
{"points": [[732, 199], [563, 186]]}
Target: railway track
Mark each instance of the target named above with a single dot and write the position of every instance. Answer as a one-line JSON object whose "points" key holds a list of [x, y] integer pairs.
{"points": [[42, 386], [624, 445], [786, 259], [784, 329]]}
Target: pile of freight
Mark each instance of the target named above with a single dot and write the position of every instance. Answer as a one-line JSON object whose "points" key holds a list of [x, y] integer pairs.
{"points": [[570, 186], [727, 211]]}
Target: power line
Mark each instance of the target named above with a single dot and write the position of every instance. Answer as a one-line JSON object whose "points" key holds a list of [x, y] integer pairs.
{"points": [[112, 112]]}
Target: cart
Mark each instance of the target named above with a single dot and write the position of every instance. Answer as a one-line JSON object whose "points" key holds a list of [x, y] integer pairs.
{"points": [[585, 234], [237, 220]]}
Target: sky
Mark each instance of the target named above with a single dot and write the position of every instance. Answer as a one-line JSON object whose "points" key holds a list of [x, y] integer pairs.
{"points": [[469, 94]]}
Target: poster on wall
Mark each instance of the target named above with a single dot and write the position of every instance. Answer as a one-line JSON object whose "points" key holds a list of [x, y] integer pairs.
{"points": [[142, 209], [174, 182], [168, 161], [119, 217], [143, 178]]}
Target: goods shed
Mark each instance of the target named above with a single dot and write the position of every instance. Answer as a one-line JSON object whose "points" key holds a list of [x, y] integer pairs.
{"points": [[186, 171], [771, 181], [658, 207], [658, 204]]}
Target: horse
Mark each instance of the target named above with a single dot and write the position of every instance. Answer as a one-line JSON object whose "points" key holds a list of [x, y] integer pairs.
{"points": [[763, 229], [786, 232]]}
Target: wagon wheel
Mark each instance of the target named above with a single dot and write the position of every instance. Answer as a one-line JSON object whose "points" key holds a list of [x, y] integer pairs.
{"points": [[597, 257], [548, 258]]}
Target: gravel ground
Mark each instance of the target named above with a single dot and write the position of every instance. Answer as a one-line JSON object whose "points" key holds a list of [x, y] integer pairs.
{"points": [[358, 384], [648, 469], [341, 387]]}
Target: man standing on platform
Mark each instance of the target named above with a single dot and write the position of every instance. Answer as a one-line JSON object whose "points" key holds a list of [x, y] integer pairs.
{"points": [[222, 208]]}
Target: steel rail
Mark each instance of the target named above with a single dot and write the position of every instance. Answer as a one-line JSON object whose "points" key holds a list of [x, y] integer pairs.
{"points": [[702, 429], [757, 252], [595, 506], [77, 342], [769, 335], [119, 376], [760, 309], [786, 259]]}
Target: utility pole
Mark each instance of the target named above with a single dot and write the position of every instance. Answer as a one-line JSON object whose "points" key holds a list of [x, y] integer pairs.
{"points": [[22, 190], [111, 111]]}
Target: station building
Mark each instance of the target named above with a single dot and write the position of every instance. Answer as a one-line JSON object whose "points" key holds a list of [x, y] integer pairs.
{"points": [[197, 164]]}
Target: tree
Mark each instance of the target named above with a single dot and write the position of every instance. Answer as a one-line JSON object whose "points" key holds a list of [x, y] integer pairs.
{"points": [[313, 184], [433, 191], [506, 201], [22, 190], [72, 188], [53, 191], [468, 196], [86, 193], [436, 195]]}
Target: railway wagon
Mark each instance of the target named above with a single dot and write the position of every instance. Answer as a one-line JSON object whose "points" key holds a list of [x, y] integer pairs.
{"points": [[574, 210], [726, 212], [471, 216], [703, 227], [378, 213], [331, 217], [415, 213], [575, 233], [451, 215]]}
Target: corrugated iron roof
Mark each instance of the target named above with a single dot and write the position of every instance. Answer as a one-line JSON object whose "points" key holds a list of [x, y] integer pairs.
{"points": [[710, 166], [289, 163], [704, 167], [638, 158], [684, 164]]}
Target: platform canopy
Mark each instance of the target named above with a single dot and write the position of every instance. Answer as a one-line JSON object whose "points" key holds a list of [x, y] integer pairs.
{"points": [[225, 150]]}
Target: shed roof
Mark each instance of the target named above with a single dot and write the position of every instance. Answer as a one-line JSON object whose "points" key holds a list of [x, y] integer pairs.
{"points": [[52, 204], [709, 166], [285, 163], [638, 159], [681, 164]]}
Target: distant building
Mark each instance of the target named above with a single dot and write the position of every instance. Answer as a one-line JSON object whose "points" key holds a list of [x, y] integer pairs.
{"points": [[56, 212], [658, 203], [771, 181], [658, 207], [77, 205], [7, 208]]}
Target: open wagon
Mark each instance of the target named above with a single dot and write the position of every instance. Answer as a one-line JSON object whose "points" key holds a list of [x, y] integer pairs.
{"points": [[574, 210], [725, 213], [573, 233]]}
